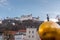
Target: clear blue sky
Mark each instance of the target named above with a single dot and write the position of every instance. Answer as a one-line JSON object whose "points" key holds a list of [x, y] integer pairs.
{"points": [[14, 8]]}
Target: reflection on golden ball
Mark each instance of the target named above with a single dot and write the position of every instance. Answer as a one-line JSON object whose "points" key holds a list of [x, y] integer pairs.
{"points": [[49, 31]]}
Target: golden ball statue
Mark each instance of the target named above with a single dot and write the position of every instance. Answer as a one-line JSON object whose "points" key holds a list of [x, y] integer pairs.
{"points": [[49, 31]]}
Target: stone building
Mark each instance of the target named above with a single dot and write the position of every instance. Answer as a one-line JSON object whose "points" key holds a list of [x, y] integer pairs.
{"points": [[31, 34]]}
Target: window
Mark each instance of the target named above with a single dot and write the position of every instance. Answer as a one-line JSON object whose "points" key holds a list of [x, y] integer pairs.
{"points": [[32, 31], [32, 36], [29, 31], [29, 36]]}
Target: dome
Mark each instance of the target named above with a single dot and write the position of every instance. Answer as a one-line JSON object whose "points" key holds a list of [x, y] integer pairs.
{"points": [[48, 30]]}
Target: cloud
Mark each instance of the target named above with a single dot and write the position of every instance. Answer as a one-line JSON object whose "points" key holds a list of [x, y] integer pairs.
{"points": [[3, 3]]}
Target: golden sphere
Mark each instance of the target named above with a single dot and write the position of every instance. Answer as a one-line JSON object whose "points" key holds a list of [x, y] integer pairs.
{"points": [[49, 31]]}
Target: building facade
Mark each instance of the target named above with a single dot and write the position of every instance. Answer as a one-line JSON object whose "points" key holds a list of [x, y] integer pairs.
{"points": [[31, 34]]}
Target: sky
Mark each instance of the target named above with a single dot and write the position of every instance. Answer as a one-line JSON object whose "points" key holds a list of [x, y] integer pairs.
{"points": [[16, 8]]}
